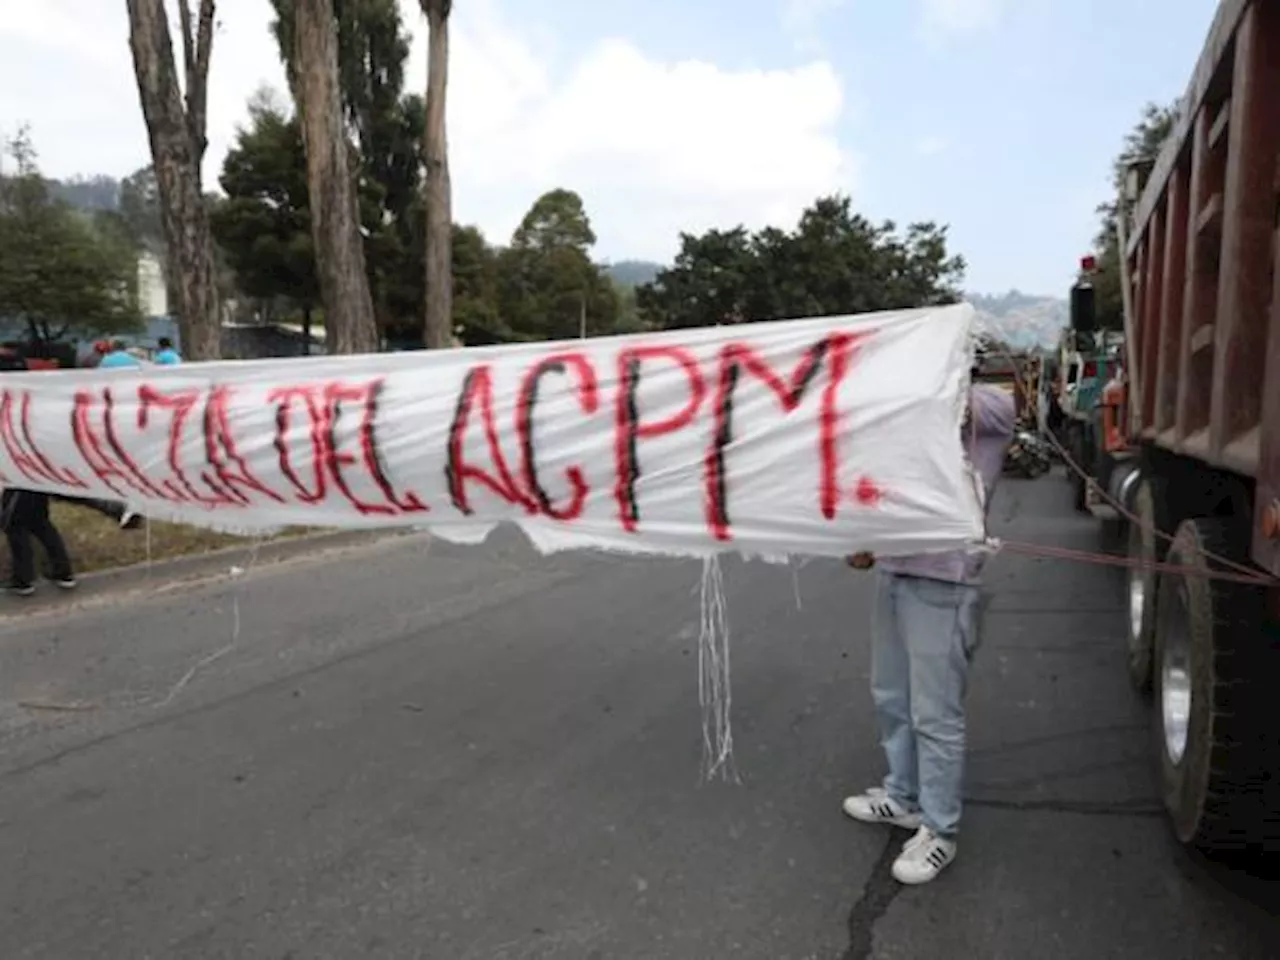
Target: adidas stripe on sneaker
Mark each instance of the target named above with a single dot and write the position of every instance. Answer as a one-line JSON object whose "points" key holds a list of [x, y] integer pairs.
{"points": [[876, 806], [923, 857]]}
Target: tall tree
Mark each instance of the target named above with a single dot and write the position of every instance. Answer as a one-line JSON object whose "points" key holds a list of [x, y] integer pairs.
{"points": [[392, 209], [62, 271], [1141, 145], [558, 218], [549, 288], [385, 126], [372, 50], [175, 116], [439, 252], [264, 224], [350, 326]]}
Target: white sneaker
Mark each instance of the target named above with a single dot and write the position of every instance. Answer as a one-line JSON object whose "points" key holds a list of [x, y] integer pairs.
{"points": [[876, 806], [923, 857]]}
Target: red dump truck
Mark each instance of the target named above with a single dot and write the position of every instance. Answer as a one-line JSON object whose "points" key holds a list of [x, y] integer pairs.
{"points": [[1193, 433]]}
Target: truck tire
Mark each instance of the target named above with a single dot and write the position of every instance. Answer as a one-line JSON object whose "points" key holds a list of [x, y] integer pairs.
{"points": [[1079, 493], [1079, 482], [1146, 549], [1215, 732]]}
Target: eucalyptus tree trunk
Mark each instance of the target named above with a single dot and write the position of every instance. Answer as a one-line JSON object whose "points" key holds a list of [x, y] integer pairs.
{"points": [[350, 326], [439, 191], [175, 123]]}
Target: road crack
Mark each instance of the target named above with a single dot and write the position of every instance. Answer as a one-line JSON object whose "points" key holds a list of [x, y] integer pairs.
{"points": [[878, 893]]}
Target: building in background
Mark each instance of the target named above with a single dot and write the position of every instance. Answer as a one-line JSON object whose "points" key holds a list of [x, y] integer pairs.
{"points": [[153, 295]]}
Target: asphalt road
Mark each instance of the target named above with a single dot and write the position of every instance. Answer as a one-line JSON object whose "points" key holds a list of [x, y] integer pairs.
{"points": [[416, 750]]}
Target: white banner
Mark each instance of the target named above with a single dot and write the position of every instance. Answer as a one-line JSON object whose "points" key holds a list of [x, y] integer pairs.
{"points": [[818, 437]]}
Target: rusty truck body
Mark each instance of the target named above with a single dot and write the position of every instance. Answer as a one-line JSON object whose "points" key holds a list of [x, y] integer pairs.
{"points": [[1196, 438]]}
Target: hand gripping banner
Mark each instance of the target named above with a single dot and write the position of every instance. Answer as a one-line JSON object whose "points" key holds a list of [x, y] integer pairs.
{"points": [[815, 437]]}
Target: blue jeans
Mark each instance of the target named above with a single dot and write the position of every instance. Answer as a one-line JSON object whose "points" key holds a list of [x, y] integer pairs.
{"points": [[926, 633]]}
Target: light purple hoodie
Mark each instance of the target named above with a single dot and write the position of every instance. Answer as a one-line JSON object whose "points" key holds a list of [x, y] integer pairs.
{"points": [[986, 438]]}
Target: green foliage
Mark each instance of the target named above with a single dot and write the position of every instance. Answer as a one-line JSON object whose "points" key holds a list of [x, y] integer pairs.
{"points": [[834, 262], [476, 318], [1141, 145], [549, 289], [372, 49], [630, 319], [557, 220], [62, 271], [263, 227], [387, 127], [393, 218]]}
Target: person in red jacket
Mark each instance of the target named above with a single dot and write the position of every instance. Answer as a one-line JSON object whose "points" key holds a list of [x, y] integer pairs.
{"points": [[100, 349]]}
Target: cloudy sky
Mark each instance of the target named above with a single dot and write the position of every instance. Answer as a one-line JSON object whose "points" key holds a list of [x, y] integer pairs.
{"points": [[997, 117]]}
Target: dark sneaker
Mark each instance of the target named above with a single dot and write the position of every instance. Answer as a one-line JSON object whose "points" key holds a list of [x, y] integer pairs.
{"points": [[21, 589], [66, 583]]}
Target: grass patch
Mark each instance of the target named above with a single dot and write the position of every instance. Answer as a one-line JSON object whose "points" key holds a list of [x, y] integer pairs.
{"points": [[96, 542]]}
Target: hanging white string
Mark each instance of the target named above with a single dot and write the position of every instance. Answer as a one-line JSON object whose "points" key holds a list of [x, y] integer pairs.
{"points": [[714, 691], [238, 574]]}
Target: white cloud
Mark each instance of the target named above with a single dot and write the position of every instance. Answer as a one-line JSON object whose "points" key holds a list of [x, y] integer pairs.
{"points": [[946, 18], [655, 147], [65, 67]]}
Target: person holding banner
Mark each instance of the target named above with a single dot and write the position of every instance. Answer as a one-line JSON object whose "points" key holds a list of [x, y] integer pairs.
{"points": [[925, 635]]}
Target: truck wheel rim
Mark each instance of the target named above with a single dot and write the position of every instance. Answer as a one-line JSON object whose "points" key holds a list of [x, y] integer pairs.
{"points": [[1137, 603], [1175, 682], [1137, 584]]}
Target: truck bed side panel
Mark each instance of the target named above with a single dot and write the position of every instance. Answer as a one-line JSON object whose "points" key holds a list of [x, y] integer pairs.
{"points": [[1203, 258], [1266, 545], [1244, 286]]}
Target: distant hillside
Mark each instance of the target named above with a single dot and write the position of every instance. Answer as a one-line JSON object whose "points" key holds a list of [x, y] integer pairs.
{"points": [[88, 193], [633, 273], [84, 193], [1019, 319]]}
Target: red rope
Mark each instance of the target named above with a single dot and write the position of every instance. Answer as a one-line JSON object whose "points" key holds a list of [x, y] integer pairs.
{"points": [[1106, 559], [1243, 574]]}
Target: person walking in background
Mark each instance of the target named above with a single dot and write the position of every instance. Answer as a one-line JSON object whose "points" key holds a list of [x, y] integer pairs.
{"points": [[25, 517], [100, 349], [119, 358], [166, 355], [927, 619]]}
